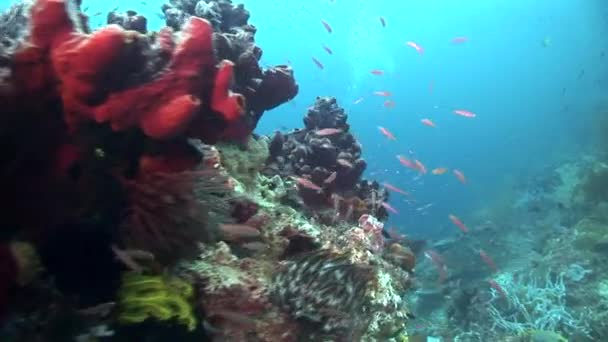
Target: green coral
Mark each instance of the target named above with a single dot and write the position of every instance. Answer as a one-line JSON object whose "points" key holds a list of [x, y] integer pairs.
{"points": [[163, 298], [244, 163]]}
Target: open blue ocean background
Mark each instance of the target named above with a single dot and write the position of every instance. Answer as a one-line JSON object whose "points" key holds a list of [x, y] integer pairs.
{"points": [[534, 72]]}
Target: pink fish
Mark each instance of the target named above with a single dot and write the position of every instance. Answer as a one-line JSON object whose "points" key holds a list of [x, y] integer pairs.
{"points": [[498, 288], [459, 40], [377, 72], [359, 100], [419, 166], [234, 231], [465, 113], [437, 260], [389, 208], [394, 188], [389, 104], [326, 25], [331, 178], [460, 176], [328, 131], [488, 260], [329, 51], [387, 133], [383, 93], [319, 64], [416, 47], [382, 21], [458, 223], [307, 183], [428, 122], [406, 162]]}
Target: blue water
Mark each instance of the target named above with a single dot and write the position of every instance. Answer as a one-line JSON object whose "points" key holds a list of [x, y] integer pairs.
{"points": [[512, 72]]}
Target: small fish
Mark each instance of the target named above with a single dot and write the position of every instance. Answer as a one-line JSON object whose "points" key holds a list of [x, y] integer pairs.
{"points": [[428, 122], [439, 171], [377, 72], [465, 113], [424, 207], [389, 208], [359, 100], [383, 93], [329, 51], [235, 231], [382, 21], [328, 131], [386, 133], [331, 178], [416, 47], [326, 25], [431, 86], [487, 260], [498, 288], [344, 162], [394, 188], [319, 64], [458, 223], [460, 175], [406, 162], [419, 166], [459, 40], [307, 183], [437, 260], [96, 14], [389, 104]]}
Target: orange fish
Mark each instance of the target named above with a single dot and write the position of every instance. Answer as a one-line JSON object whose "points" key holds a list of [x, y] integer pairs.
{"points": [[465, 113], [326, 25], [383, 93], [498, 288], [329, 51], [389, 208], [389, 104], [439, 171], [419, 166], [319, 64], [387, 133], [406, 162], [458, 223], [377, 72], [328, 131], [428, 122], [307, 183], [460, 176], [382, 21], [416, 47], [459, 40], [395, 189]]}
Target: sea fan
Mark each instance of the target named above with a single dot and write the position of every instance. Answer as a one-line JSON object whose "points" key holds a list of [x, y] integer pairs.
{"points": [[325, 289], [170, 212]]}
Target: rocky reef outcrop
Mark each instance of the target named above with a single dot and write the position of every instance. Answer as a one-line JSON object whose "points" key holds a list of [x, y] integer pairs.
{"points": [[328, 155]]}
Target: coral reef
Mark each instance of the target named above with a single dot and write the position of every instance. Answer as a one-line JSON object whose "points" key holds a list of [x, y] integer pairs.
{"points": [[325, 153], [129, 20], [234, 40]]}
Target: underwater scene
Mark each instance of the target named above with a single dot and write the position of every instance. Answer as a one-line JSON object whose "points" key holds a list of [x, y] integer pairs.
{"points": [[304, 170]]}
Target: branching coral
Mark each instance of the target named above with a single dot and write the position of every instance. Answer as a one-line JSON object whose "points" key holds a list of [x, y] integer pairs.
{"points": [[528, 304]]}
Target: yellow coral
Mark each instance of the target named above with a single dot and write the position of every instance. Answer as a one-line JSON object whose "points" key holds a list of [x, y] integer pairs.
{"points": [[143, 296]]}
